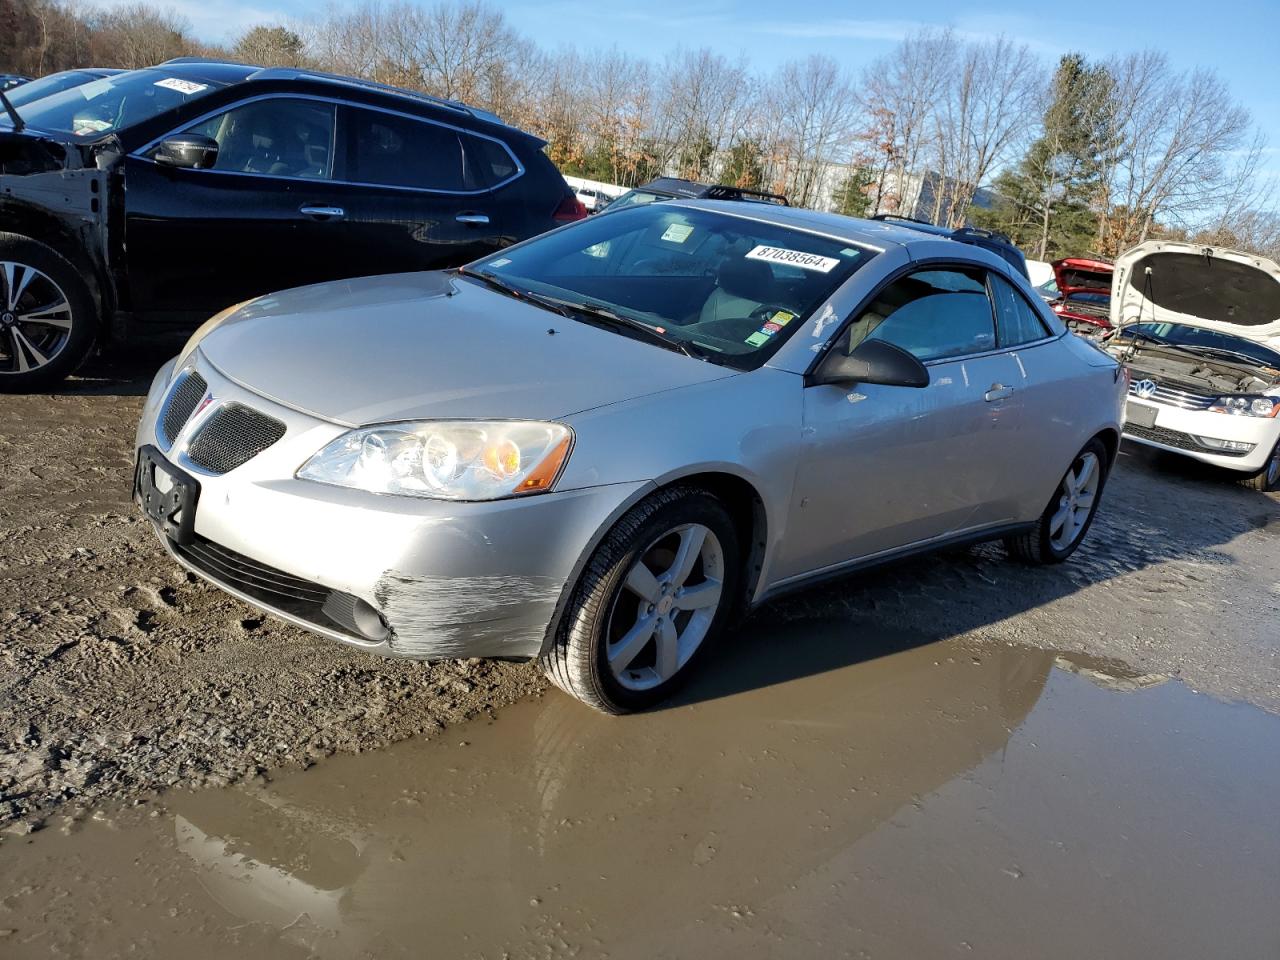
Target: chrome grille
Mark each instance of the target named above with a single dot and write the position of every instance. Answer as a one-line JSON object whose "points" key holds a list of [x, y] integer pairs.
{"points": [[181, 404], [1171, 396], [234, 435]]}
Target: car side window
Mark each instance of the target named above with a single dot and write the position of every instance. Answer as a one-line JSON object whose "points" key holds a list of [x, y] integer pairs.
{"points": [[1016, 321], [932, 314], [394, 151], [488, 162], [279, 137]]}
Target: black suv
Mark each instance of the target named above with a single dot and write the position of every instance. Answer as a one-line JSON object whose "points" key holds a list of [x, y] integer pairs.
{"points": [[672, 188], [146, 201], [992, 240]]}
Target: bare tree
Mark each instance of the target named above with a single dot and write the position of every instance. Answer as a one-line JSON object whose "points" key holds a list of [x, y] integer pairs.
{"points": [[139, 35]]}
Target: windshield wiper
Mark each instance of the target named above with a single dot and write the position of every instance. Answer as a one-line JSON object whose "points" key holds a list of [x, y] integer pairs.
{"points": [[18, 122], [1233, 353], [653, 334], [490, 280]]}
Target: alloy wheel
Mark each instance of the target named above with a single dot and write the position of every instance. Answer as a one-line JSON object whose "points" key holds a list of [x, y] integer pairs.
{"points": [[1076, 495], [35, 318], [666, 606]]}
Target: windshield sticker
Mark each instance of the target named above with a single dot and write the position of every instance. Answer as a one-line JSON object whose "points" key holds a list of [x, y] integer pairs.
{"points": [[782, 318], [758, 339], [182, 86], [827, 317], [95, 89], [500, 262], [771, 328], [677, 233], [794, 258]]}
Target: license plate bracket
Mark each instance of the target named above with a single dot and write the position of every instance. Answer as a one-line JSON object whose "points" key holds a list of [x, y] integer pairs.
{"points": [[172, 508], [1139, 414]]}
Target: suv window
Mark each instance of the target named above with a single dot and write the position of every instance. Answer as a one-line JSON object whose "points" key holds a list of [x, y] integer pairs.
{"points": [[488, 162], [279, 137], [395, 151], [1016, 321], [931, 313]]}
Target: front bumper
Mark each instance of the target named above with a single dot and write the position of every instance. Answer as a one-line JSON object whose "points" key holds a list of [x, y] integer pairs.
{"points": [[1179, 431], [449, 579]]}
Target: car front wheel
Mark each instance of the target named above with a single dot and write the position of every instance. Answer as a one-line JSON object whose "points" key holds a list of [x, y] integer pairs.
{"points": [[1070, 511], [651, 601], [47, 315], [1268, 478]]}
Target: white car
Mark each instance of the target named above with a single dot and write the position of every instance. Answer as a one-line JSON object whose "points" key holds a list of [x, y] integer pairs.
{"points": [[1199, 330]]}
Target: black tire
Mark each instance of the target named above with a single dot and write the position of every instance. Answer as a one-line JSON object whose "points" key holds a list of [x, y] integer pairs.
{"points": [[1036, 545], [577, 661], [83, 314], [1268, 478]]}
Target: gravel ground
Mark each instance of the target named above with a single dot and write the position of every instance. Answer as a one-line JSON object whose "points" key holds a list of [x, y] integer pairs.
{"points": [[123, 675]]}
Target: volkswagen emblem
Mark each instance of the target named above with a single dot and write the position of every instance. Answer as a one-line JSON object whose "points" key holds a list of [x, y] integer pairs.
{"points": [[1146, 389]]}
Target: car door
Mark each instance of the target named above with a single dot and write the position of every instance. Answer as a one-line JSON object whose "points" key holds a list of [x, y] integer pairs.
{"points": [[196, 241], [411, 196], [884, 467]]}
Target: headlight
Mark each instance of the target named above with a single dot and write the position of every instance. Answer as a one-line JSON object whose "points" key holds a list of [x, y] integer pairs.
{"points": [[446, 460], [1243, 406]]}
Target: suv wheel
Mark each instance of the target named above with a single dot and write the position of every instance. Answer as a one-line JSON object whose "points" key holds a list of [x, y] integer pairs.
{"points": [[47, 315], [651, 601]]}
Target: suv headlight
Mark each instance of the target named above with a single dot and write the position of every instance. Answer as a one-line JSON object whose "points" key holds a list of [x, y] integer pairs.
{"points": [[1245, 406], [446, 460]]}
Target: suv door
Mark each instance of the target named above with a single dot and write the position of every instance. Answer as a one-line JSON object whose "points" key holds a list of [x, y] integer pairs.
{"points": [[197, 241], [412, 197], [885, 467]]}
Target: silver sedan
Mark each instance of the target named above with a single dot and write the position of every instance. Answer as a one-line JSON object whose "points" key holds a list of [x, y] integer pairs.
{"points": [[599, 447]]}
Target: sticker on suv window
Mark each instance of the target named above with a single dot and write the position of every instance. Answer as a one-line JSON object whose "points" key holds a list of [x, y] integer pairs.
{"points": [[182, 86], [794, 258]]}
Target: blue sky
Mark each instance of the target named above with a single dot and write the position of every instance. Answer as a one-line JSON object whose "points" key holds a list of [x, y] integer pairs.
{"points": [[1239, 39]]}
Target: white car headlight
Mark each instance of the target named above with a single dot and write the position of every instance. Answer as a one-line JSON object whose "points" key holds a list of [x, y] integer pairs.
{"points": [[1242, 406], [446, 460]]}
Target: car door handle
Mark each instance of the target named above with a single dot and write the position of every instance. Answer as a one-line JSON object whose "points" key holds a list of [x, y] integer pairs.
{"points": [[998, 391], [480, 219], [317, 212]]}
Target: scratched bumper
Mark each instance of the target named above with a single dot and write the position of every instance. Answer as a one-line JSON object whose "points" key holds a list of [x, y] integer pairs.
{"points": [[450, 579]]}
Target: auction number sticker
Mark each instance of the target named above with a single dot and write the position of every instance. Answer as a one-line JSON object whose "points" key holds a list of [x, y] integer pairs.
{"points": [[182, 86], [677, 233], [794, 258]]}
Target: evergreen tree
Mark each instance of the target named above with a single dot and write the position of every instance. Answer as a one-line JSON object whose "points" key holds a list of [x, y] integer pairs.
{"points": [[851, 197], [1046, 202]]}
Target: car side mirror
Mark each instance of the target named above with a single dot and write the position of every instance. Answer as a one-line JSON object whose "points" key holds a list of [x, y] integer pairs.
{"points": [[190, 151], [872, 361]]}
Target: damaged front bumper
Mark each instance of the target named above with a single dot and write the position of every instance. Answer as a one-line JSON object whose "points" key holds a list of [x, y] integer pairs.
{"points": [[446, 579]]}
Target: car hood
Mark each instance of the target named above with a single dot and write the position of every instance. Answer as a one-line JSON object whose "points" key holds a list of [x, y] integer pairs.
{"points": [[1078, 275], [1211, 287], [432, 346]]}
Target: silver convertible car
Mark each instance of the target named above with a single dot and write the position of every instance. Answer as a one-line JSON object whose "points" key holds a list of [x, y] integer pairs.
{"points": [[600, 446]]}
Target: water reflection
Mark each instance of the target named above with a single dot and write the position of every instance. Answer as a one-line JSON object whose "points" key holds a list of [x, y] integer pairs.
{"points": [[555, 828]]}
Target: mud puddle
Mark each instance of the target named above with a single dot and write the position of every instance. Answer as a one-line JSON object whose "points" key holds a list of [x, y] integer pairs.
{"points": [[942, 800]]}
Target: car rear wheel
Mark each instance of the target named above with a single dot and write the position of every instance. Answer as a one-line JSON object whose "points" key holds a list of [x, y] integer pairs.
{"points": [[1070, 511], [652, 599], [1268, 478], [47, 315]]}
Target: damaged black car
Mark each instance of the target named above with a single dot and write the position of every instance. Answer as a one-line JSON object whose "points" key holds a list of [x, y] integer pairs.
{"points": [[144, 202]]}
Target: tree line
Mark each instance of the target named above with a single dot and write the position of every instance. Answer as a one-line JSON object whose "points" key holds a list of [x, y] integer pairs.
{"points": [[1083, 156]]}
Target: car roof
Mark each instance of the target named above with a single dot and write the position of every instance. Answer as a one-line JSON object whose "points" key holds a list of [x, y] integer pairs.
{"points": [[222, 71]]}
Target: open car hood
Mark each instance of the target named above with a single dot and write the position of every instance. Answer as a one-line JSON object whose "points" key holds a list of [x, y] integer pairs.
{"points": [[1078, 275], [1210, 287]]}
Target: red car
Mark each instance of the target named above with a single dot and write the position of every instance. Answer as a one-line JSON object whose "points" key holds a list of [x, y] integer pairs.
{"points": [[1082, 294]]}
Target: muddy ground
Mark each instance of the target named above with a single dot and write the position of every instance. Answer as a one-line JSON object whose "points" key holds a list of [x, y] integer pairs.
{"points": [[120, 675]]}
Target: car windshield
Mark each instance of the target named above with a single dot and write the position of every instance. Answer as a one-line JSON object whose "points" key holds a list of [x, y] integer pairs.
{"points": [[727, 288], [634, 198], [1100, 298], [1182, 335], [113, 103], [47, 86]]}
